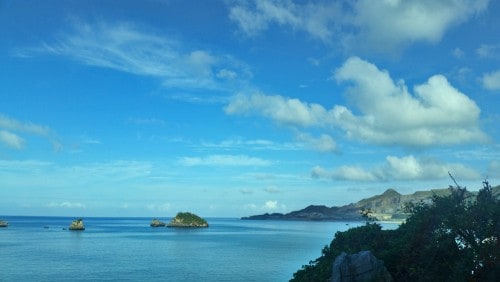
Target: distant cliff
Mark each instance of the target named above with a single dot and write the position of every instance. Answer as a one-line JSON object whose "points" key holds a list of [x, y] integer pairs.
{"points": [[388, 206]]}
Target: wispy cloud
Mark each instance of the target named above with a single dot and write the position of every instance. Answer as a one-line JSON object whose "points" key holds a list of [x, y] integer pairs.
{"points": [[324, 143], [381, 25], [160, 207], [272, 190], [11, 140], [125, 47], [435, 114], [494, 169], [147, 121], [268, 206], [488, 51], [66, 204], [246, 191], [491, 81], [25, 127], [224, 160], [11, 129], [54, 175], [398, 168], [251, 144]]}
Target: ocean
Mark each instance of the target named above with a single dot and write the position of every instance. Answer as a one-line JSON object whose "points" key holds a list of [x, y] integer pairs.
{"points": [[128, 249]]}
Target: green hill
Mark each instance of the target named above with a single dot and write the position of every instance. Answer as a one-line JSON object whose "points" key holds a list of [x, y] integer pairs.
{"points": [[187, 219]]}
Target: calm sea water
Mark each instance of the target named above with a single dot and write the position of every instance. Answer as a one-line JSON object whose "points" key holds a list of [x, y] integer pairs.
{"points": [[127, 249]]}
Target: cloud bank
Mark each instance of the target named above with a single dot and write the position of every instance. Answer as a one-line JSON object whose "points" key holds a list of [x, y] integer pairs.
{"points": [[382, 25], [398, 168], [385, 112]]}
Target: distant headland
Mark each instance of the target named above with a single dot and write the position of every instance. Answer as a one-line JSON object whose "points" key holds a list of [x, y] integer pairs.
{"points": [[388, 206]]}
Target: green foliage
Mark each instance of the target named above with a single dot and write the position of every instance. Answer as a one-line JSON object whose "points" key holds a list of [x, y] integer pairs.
{"points": [[189, 218], [455, 238]]}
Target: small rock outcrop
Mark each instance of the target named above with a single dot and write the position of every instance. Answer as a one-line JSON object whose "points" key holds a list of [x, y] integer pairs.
{"points": [[157, 223], [186, 219], [363, 266], [77, 224], [3, 223]]}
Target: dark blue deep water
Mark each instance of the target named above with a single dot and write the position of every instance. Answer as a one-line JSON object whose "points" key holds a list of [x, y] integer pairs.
{"points": [[127, 249]]}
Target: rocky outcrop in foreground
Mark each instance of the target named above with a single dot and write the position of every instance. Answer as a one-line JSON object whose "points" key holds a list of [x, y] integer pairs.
{"points": [[77, 224], [157, 223], [186, 219], [3, 223], [363, 266]]}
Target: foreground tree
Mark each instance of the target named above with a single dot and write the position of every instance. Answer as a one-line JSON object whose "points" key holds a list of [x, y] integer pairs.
{"points": [[455, 238]]}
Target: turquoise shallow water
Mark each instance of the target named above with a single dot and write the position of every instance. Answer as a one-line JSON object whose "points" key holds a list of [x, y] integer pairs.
{"points": [[127, 249]]}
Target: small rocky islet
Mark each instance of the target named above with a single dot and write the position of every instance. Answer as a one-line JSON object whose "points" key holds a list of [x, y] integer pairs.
{"points": [[77, 225], [182, 220], [187, 219], [157, 223], [4, 223]]}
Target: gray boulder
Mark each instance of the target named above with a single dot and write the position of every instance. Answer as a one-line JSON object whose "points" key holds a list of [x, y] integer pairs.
{"points": [[363, 266]]}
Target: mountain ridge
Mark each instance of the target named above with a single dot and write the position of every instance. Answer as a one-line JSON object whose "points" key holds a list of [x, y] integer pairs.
{"points": [[388, 206]]}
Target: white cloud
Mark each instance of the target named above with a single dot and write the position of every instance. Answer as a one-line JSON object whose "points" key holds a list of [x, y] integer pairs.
{"points": [[491, 81], [246, 191], [271, 205], [66, 204], [381, 25], [324, 143], [25, 127], [398, 168], [252, 144], [12, 140], [224, 160], [227, 74], [488, 51], [159, 207], [436, 114], [458, 53], [127, 48], [11, 127], [494, 169], [287, 111], [148, 121], [272, 189], [268, 206], [316, 19], [396, 23], [343, 173]]}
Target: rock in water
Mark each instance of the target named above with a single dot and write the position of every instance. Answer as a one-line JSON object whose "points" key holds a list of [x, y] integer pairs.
{"points": [[157, 223], [77, 224], [363, 266], [186, 219]]}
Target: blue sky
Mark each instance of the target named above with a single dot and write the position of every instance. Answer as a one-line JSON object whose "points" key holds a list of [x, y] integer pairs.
{"points": [[233, 108]]}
